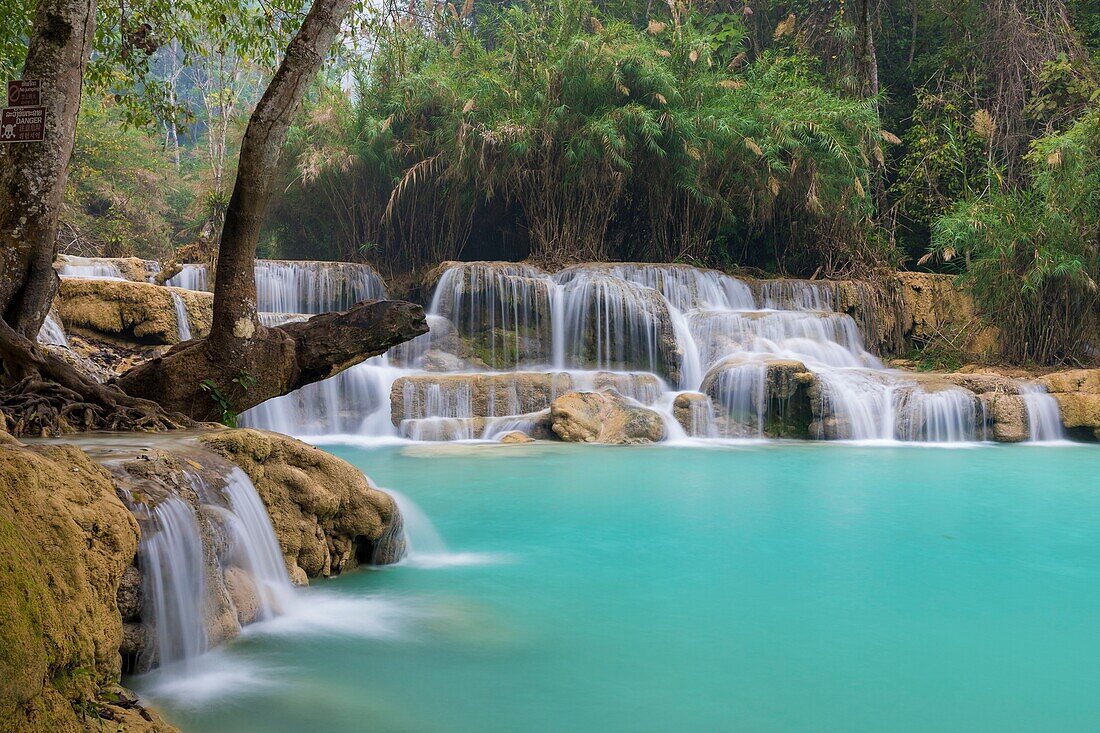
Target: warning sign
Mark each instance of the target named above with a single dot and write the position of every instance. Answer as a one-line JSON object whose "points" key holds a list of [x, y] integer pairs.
{"points": [[23, 125], [24, 93]]}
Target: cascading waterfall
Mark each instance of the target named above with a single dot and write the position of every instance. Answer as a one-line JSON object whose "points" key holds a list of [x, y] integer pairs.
{"points": [[314, 287], [257, 547], [52, 332], [183, 321], [172, 560], [180, 591], [692, 330], [1044, 418], [90, 269], [190, 277]]}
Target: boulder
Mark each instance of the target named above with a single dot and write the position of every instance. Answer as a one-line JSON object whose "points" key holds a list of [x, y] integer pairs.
{"points": [[66, 541], [1080, 413], [695, 413], [327, 516], [131, 312], [1006, 415], [516, 436], [497, 395], [604, 417], [129, 596]]}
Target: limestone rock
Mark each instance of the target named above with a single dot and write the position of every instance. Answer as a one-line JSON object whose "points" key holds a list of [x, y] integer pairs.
{"points": [[1007, 416], [65, 542], [694, 411], [135, 312], [790, 396], [130, 598], [512, 393], [327, 516], [604, 417], [932, 305], [243, 594], [133, 269], [516, 436], [1080, 412]]}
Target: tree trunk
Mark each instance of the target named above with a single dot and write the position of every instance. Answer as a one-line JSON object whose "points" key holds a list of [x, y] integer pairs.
{"points": [[241, 363], [868, 56], [279, 361], [235, 284], [33, 175]]}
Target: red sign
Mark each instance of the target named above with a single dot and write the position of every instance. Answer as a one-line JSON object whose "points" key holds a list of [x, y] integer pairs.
{"points": [[23, 125], [24, 93]]}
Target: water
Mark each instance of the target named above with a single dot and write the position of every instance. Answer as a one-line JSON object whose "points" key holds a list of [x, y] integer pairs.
{"points": [[52, 332], [174, 577], [183, 321], [190, 277], [90, 268], [1044, 418], [732, 340], [765, 587]]}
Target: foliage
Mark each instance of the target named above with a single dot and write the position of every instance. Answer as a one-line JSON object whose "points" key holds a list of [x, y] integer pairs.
{"points": [[592, 137], [1032, 256], [122, 193], [243, 381]]}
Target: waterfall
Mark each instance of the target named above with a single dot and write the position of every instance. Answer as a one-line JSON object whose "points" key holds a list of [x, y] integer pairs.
{"points": [[685, 329], [90, 268], [314, 287], [52, 332], [183, 322], [1044, 417], [190, 277], [259, 552], [172, 560]]}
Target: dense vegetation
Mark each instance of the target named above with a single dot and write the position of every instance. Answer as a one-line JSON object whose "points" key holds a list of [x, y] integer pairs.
{"points": [[831, 137]]}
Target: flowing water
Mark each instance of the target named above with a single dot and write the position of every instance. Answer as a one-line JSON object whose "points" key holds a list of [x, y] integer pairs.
{"points": [[772, 586], [52, 332], [692, 331], [183, 321]]}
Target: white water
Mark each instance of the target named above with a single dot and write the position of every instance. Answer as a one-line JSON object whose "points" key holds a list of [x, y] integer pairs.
{"points": [[695, 330], [1044, 417], [90, 268], [190, 277], [259, 552], [52, 332], [172, 562], [183, 321]]}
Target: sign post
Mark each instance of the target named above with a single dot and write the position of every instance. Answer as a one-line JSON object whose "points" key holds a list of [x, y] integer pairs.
{"points": [[24, 121]]}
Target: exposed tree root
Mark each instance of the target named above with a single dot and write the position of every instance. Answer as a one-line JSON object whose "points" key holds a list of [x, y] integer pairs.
{"points": [[42, 395]]}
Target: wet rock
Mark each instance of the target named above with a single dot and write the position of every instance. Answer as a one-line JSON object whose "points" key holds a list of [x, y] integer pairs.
{"points": [[135, 637], [243, 594], [130, 598], [781, 397], [498, 395], [326, 515], [66, 540], [604, 417], [135, 312], [516, 437], [1007, 417], [440, 361], [695, 413]]}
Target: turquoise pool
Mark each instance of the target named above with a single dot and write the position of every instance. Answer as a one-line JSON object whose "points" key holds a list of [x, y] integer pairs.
{"points": [[774, 587]]}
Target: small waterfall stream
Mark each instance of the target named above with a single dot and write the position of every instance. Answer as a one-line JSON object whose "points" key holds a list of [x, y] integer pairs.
{"points": [[1044, 419], [52, 332], [183, 321], [172, 558]]}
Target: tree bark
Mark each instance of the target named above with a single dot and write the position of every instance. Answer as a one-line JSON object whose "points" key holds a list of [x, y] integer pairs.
{"points": [[276, 362], [235, 322], [33, 175]]}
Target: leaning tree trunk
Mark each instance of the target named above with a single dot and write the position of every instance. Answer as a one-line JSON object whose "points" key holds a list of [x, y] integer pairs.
{"points": [[235, 284], [33, 175], [242, 363]]}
